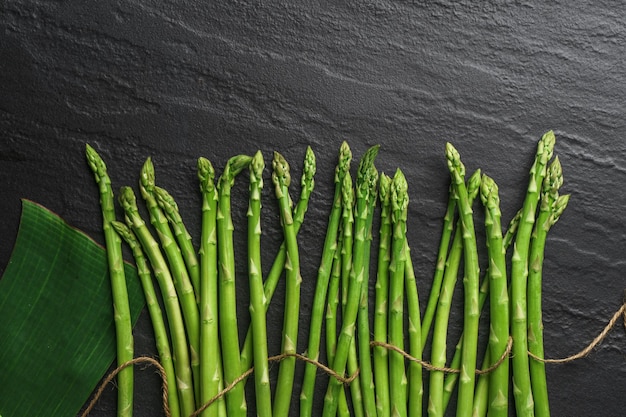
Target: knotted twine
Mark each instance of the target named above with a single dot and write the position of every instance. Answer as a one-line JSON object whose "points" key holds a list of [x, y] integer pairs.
{"points": [[347, 380]]}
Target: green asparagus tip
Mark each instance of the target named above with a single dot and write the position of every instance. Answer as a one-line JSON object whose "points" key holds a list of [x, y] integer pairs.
{"points": [[127, 199], [345, 157], [309, 169], [456, 167], [555, 175], [234, 166], [545, 148], [123, 230], [473, 184], [257, 165], [384, 185], [559, 207], [206, 174], [280, 167], [367, 176], [399, 192], [489, 192], [146, 181], [96, 163], [165, 201]]}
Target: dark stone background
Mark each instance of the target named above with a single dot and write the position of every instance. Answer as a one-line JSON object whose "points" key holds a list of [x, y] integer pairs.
{"points": [[179, 80]]}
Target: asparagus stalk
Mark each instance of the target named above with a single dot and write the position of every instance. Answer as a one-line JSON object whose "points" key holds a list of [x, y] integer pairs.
{"points": [[123, 326], [321, 287], [499, 299], [211, 381], [180, 349], [352, 363], [156, 315], [438, 392], [366, 378], [397, 375], [380, 354], [276, 270], [227, 312], [452, 378], [471, 311], [522, 392], [416, 390], [366, 183], [182, 282], [257, 305], [551, 207], [188, 252], [435, 290], [281, 179]]}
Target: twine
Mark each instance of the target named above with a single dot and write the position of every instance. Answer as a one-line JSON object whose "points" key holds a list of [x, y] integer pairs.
{"points": [[113, 374], [347, 380]]}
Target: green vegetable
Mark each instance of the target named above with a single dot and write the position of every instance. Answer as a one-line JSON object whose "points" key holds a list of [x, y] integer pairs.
{"points": [[499, 299], [397, 375], [471, 311], [381, 354], [178, 270], [271, 281], [235, 399], [154, 309], [188, 252], [123, 326], [550, 209], [440, 387], [366, 378], [519, 274], [286, 371], [180, 349], [352, 363], [257, 306], [366, 184], [435, 290], [211, 378], [321, 286], [416, 390]]}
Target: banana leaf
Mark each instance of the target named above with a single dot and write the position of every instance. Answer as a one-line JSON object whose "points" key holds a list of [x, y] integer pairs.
{"points": [[57, 335]]}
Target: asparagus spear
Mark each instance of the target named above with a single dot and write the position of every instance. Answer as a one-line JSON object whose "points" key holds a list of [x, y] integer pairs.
{"points": [[352, 363], [211, 381], [551, 207], [281, 179], [182, 282], [438, 394], [321, 287], [275, 272], [156, 315], [123, 326], [452, 378], [257, 307], [366, 378], [380, 354], [397, 375], [366, 183], [470, 285], [519, 274], [235, 399], [416, 390], [499, 299], [161, 270], [435, 290], [188, 252]]}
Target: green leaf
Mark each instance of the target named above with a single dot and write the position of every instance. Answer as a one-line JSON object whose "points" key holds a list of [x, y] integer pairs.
{"points": [[57, 335]]}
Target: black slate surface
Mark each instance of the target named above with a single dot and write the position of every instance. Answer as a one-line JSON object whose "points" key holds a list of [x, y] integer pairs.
{"points": [[179, 80]]}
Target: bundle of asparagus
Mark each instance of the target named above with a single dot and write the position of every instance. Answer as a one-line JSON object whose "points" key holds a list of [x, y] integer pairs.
{"points": [[207, 365]]}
